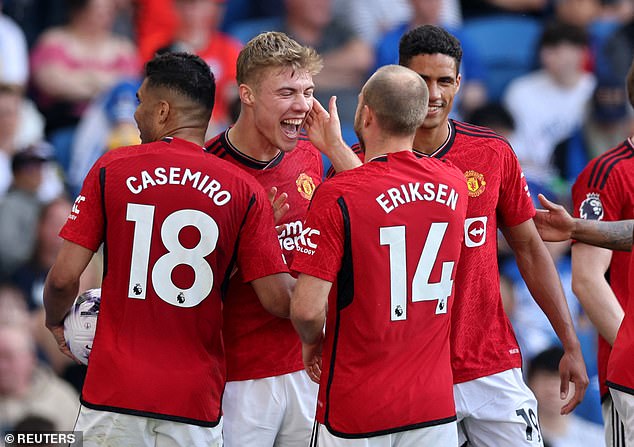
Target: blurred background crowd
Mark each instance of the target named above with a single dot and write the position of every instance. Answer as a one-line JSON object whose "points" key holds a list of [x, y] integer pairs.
{"points": [[546, 74]]}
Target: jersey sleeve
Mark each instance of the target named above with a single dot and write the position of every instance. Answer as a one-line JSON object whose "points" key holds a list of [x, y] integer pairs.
{"points": [[259, 252], [594, 203], [85, 224], [514, 205], [319, 249]]}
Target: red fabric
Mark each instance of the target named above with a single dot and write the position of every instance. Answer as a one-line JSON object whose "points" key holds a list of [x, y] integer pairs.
{"points": [[482, 338], [608, 178], [152, 353], [386, 362], [257, 343]]}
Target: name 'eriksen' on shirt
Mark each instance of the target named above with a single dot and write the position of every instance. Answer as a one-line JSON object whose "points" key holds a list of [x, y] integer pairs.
{"points": [[174, 176], [431, 192]]}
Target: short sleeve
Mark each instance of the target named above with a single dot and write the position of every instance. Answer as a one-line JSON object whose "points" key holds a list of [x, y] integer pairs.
{"points": [[514, 205], [319, 249], [259, 252], [85, 224], [592, 202]]}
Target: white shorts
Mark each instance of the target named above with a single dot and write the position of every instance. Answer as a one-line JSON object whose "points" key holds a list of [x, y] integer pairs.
{"points": [[124, 430], [273, 411], [624, 405], [612, 423], [438, 435], [497, 410]]}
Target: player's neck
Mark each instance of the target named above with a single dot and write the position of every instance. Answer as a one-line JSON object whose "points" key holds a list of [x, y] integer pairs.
{"points": [[246, 138], [194, 135], [375, 147], [428, 140]]}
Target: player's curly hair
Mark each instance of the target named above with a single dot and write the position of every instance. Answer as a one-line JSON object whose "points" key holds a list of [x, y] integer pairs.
{"points": [[185, 73], [274, 49], [429, 39]]}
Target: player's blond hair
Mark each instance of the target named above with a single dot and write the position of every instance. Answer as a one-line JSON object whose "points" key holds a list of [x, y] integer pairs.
{"points": [[274, 49]]}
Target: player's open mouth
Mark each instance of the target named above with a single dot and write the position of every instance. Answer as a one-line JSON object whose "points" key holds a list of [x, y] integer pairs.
{"points": [[291, 127], [433, 109]]}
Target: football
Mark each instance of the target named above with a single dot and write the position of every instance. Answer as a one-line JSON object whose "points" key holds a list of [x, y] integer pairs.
{"points": [[81, 322]]}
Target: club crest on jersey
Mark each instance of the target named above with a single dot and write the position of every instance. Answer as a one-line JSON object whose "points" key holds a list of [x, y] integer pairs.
{"points": [[305, 186], [591, 208], [475, 183]]}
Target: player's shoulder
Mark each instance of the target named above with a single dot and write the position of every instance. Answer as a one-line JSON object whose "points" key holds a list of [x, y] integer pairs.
{"points": [[471, 134], [599, 170]]}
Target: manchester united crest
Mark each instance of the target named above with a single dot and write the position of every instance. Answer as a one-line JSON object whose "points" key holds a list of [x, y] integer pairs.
{"points": [[475, 183], [305, 186]]}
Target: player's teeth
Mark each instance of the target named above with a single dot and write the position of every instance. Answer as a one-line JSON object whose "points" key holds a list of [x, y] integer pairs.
{"points": [[293, 122]]}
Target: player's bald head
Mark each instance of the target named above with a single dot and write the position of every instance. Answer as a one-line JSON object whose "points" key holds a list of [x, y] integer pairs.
{"points": [[398, 97]]}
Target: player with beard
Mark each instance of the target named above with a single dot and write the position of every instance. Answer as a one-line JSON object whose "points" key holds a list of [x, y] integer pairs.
{"points": [[377, 267], [494, 406], [173, 221]]}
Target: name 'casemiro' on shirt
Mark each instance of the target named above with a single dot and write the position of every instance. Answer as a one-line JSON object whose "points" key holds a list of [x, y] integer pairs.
{"points": [[174, 176], [412, 192]]}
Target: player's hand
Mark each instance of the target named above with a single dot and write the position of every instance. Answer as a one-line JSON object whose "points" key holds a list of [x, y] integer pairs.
{"points": [[58, 333], [572, 369], [553, 223], [280, 206], [323, 127], [311, 354]]}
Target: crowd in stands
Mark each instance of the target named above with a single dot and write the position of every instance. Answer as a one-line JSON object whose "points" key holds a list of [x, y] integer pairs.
{"points": [[546, 74]]}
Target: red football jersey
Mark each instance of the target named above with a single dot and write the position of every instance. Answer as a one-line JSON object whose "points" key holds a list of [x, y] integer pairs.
{"points": [[172, 220], [604, 190], [621, 364], [258, 344], [482, 339], [388, 235]]}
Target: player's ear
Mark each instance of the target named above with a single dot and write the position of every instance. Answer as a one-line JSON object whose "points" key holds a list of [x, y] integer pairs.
{"points": [[367, 116], [246, 94], [162, 111]]}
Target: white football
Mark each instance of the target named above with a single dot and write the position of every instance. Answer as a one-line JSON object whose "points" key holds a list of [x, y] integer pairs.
{"points": [[81, 322]]}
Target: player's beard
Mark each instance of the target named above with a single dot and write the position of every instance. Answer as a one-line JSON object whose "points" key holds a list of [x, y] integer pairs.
{"points": [[357, 125]]}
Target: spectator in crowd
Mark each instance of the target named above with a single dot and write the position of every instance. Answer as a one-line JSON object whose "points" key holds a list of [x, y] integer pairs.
{"points": [[106, 124], [558, 430], [370, 19], [74, 63], [14, 64], [608, 121], [347, 58], [477, 8], [26, 386], [548, 104], [30, 277], [198, 32], [429, 12], [20, 208], [22, 126]]}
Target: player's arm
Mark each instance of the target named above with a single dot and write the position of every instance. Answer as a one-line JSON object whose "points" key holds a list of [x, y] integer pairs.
{"points": [[61, 287], [308, 314], [589, 265], [324, 130], [541, 277], [554, 223], [274, 292]]}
